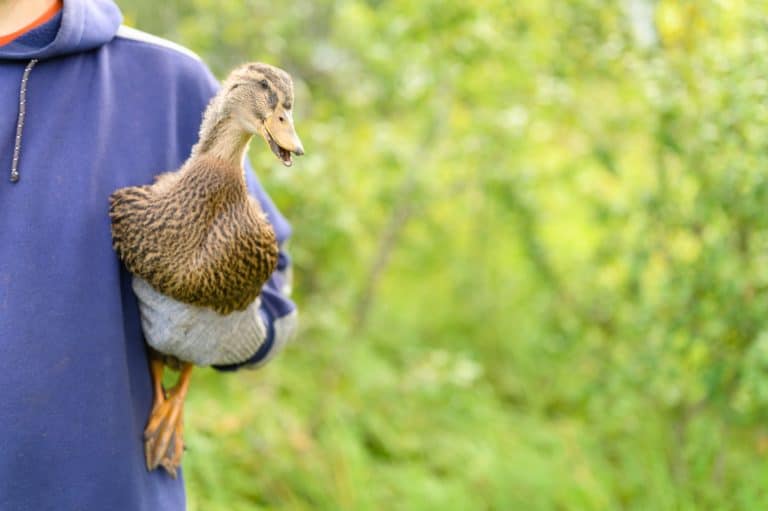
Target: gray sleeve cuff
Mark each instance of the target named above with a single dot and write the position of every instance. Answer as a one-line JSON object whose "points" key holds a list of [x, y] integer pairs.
{"points": [[284, 331]]}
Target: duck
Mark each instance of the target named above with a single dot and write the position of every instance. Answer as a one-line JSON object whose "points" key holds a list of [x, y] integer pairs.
{"points": [[197, 237]]}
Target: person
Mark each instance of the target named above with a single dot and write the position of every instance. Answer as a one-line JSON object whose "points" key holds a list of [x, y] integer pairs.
{"points": [[88, 106]]}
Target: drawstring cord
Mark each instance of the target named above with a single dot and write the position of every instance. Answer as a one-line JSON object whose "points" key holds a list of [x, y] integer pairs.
{"points": [[20, 122]]}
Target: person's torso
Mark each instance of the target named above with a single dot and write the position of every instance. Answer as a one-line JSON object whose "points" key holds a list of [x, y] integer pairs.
{"points": [[73, 368]]}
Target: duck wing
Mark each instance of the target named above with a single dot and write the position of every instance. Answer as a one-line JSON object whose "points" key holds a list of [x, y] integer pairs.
{"points": [[128, 209]]}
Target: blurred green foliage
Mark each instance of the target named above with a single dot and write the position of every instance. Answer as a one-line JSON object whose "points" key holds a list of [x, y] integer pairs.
{"points": [[531, 255]]}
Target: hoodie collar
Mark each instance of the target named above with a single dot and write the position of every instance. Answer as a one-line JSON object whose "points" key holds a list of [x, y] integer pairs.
{"points": [[85, 25]]}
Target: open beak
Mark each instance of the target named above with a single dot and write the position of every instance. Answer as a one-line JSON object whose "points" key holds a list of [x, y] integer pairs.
{"points": [[281, 136]]}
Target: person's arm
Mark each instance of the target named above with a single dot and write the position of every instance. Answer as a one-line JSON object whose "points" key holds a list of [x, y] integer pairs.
{"points": [[247, 338], [277, 310], [242, 339]]}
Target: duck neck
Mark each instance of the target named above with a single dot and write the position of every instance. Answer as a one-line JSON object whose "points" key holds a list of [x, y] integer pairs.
{"points": [[222, 136]]}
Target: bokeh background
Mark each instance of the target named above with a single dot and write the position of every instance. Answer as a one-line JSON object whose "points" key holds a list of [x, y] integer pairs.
{"points": [[531, 257]]}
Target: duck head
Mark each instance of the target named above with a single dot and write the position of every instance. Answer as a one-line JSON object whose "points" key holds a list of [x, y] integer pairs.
{"points": [[260, 98]]}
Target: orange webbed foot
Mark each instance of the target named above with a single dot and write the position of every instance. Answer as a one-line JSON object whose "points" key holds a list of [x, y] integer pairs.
{"points": [[164, 434]]}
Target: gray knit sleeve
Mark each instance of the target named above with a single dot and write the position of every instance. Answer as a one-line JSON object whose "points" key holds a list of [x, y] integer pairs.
{"points": [[197, 334]]}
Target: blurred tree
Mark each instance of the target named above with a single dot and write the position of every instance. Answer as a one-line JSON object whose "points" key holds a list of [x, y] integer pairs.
{"points": [[530, 255]]}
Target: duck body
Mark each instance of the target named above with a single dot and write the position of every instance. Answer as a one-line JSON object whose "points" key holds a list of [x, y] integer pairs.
{"points": [[196, 235]]}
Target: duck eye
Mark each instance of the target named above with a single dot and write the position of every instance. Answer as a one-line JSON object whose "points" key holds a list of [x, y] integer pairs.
{"points": [[264, 84]]}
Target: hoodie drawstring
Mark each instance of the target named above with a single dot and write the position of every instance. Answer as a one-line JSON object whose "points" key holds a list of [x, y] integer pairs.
{"points": [[20, 121]]}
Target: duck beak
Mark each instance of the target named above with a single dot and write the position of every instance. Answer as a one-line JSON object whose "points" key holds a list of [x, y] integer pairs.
{"points": [[281, 136]]}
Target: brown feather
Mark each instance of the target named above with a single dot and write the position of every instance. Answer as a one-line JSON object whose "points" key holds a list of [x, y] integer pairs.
{"points": [[196, 235]]}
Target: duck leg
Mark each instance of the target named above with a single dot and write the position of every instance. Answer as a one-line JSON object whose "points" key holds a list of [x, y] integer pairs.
{"points": [[163, 436]]}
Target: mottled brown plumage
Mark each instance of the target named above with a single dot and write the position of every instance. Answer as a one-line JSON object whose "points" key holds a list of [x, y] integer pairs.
{"points": [[197, 236]]}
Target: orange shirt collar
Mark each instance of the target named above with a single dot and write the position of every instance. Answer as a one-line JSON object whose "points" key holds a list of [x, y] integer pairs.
{"points": [[45, 17]]}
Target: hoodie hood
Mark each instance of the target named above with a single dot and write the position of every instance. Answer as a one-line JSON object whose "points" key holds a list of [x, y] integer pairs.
{"points": [[85, 25]]}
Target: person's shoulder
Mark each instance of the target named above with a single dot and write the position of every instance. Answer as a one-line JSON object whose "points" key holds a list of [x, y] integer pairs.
{"points": [[151, 59], [154, 43]]}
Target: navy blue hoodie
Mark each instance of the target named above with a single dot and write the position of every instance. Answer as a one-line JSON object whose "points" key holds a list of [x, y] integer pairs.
{"points": [[104, 107]]}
